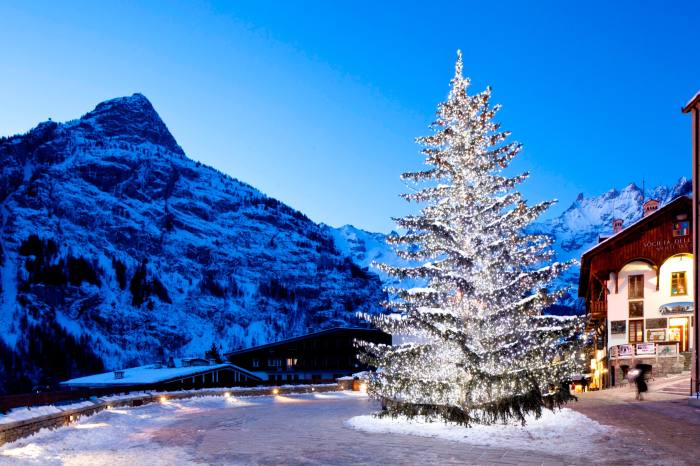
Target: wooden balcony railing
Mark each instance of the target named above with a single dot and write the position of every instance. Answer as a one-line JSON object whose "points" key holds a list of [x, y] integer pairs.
{"points": [[598, 309]]}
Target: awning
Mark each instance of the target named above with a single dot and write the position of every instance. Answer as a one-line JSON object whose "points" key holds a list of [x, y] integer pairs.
{"points": [[677, 308]]}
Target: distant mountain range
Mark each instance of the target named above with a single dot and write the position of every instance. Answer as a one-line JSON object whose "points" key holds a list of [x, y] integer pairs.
{"points": [[574, 231], [116, 249]]}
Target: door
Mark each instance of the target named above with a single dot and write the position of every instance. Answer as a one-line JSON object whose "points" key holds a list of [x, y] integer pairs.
{"points": [[678, 331]]}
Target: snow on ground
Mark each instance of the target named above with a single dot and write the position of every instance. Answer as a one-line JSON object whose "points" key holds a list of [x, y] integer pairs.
{"points": [[115, 436], [20, 414], [553, 433], [157, 433], [124, 436]]}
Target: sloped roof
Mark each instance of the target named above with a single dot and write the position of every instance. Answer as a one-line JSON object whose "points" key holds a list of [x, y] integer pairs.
{"points": [[149, 374], [623, 237], [304, 337], [692, 103]]}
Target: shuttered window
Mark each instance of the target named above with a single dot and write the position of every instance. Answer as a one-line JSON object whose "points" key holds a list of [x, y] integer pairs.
{"points": [[636, 332], [635, 286]]}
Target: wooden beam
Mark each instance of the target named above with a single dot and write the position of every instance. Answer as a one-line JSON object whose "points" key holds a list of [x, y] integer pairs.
{"points": [[693, 107]]}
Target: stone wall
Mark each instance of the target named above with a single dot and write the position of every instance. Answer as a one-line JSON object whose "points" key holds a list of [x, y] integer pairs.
{"points": [[661, 365], [9, 432]]}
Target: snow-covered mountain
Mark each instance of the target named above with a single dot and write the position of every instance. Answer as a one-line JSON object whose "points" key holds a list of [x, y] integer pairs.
{"points": [[579, 227], [575, 230], [116, 249]]}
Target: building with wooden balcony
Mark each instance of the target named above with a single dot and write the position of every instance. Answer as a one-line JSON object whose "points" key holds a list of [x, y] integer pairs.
{"points": [[639, 294]]}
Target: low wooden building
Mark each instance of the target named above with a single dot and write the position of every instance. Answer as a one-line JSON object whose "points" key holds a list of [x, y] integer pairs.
{"points": [[639, 294], [322, 356]]}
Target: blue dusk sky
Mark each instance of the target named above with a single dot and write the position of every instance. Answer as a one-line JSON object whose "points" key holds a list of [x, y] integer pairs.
{"points": [[318, 103]]}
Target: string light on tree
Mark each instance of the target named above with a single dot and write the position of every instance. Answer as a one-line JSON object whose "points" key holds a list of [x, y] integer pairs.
{"points": [[481, 349]]}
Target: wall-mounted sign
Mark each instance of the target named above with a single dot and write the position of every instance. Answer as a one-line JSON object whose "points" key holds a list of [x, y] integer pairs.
{"points": [[681, 228], [668, 350], [625, 350], [681, 243], [677, 308], [656, 334], [657, 323], [646, 348]]}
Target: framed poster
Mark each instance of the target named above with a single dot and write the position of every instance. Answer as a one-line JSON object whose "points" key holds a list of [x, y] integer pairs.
{"points": [[646, 348], [657, 334], [625, 350], [618, 326]]}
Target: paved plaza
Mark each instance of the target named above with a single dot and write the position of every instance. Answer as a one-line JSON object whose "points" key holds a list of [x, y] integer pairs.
{"points": [[312, 429]]}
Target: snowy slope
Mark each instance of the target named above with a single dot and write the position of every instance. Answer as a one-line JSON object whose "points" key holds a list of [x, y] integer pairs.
{"points": [[116, 249], [579, 227]]}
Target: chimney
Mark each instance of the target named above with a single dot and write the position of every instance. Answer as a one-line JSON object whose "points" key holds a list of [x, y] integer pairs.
{"points": [[650, 206], [617, 225]]}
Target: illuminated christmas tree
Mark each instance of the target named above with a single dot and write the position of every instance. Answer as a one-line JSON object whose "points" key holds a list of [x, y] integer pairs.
{"points": [[479, 349]]}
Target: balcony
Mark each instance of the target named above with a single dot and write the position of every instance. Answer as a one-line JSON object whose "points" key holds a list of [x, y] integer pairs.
{"points": [[597, 310]]}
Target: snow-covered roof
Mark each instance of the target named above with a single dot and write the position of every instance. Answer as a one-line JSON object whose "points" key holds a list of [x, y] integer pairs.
{"points": [[150, 374]]}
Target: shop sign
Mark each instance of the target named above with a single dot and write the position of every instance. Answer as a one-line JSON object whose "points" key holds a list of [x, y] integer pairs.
{"points": [[646, 348], [625, 350]]}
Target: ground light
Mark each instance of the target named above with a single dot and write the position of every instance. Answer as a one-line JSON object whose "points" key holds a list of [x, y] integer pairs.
{"points": [[275, 391], [227, 394], [163, 399]]}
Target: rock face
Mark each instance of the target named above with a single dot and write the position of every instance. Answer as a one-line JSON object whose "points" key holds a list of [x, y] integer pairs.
{"points": [[116, 249]]}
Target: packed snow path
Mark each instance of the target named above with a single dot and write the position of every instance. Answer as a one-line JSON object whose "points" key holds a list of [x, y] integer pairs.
{"points": [[300, 429]]}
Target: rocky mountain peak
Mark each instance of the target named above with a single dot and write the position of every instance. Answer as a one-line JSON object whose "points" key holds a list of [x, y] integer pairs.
{"points": [[133, 119]]}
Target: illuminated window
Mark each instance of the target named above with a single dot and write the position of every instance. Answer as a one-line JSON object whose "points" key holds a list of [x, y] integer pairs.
{"points": [[636, 332], [256, 363], [291, 362], [274, 362], [678, 284], [635, 286], [636, 309]]}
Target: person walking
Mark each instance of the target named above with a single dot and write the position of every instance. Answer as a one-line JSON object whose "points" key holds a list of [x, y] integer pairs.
{"points": [[641, 384]]}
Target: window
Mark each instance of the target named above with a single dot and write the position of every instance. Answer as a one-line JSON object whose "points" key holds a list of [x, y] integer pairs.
{"points": [[256, 363], [636, 309], [678, 284], [274, 362], [636, 333], [635, 286], [291, 362]]}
